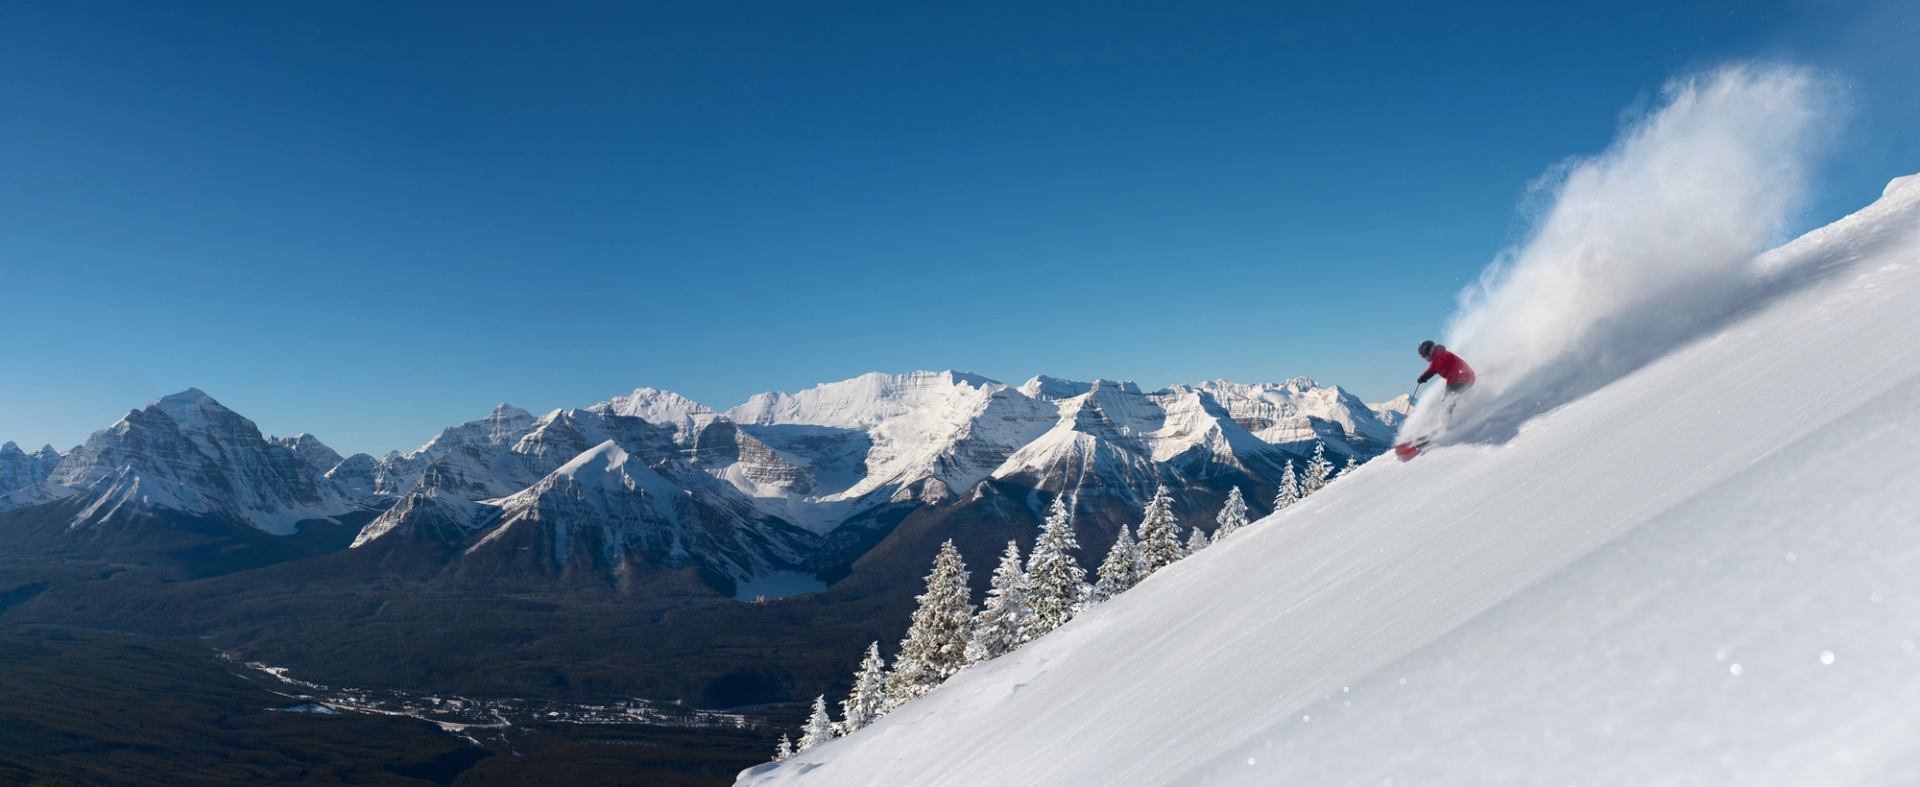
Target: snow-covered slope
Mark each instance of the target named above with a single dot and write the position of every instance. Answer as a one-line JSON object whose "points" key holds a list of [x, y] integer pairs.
{"points": [[1705, 572]]}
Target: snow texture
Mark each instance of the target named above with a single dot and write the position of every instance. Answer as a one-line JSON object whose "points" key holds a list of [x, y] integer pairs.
{"points": [[1642, 248], [1704, 572]]}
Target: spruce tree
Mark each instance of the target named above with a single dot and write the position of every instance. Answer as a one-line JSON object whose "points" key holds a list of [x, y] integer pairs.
{"points": [[819, 727], [1159, 534], [1055, 580], [1289, 490], [1197, 540], [1001, 625], [1232, 515], [1318, 471], [868, 699], [1121, 570], [784, 750], [1353, 463], [936, 644]]}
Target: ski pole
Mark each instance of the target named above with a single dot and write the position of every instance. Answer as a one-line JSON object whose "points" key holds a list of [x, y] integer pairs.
{"points": [[1415, 394]]}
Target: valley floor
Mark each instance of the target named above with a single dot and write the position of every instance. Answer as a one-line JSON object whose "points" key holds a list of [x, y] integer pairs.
{"points": [[100, 708]]}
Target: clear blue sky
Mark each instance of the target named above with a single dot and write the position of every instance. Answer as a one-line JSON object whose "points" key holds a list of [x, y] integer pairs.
{"points": [[369, 220]]}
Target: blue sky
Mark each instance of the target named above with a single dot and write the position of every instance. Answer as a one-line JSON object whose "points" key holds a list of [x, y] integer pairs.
{"points": [[369, 220]]}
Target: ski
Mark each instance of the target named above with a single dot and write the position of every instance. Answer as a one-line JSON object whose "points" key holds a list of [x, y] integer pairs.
{"points": [[1408, 450]]}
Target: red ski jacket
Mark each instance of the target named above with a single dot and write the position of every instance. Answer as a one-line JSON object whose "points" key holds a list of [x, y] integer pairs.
{"points": [[1449, 366]]}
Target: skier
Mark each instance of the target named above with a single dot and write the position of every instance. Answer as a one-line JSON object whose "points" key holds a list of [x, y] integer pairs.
{"points": [[1459, 377], [1440, 361]]}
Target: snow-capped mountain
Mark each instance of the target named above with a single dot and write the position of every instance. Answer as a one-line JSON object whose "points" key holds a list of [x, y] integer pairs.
{"points": [[188, 453], [1679, 578], [472, 458], [741, 493], [923, 436], [931, 436], [21, 470], [1299, 412], [1393, 412], [609, 489], [612, 508], [663, 408], [1113, 436], [314, 453]]}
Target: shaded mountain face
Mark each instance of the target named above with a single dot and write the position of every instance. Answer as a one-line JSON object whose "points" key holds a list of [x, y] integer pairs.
{"points": [[21, 470], [799, 482], [188, 453]]}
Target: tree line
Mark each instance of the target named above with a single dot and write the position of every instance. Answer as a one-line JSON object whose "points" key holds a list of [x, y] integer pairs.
{"points": [[1024, 602]]}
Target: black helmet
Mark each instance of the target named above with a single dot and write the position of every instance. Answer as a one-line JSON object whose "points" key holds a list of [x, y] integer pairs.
{"points": [[1426, 348]]}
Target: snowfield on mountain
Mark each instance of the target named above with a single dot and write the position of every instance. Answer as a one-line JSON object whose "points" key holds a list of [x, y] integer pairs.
{"points": [[1707, 571]]}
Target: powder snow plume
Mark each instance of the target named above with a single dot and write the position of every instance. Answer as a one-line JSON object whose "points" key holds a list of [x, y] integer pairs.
{"points": [[1641, 247]]}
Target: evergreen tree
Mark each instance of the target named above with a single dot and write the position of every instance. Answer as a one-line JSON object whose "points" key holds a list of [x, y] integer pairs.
{"points": [[784, 750], [1159, 534], [1001, 625], [868, 699], [1055, 581], [1318, 471], [1121, 570], [819, 727], [936, 644], [1232, 515], [1197, 540], [1353, 463], [1289, 490]]}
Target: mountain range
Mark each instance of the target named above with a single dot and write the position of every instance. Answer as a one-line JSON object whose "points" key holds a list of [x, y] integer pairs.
{"points": [[778, 488]]}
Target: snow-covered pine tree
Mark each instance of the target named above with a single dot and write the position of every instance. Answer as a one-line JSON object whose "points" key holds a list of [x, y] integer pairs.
{"points": [[868, 699], [936, 644], [1055, 580], [1232, 515], [1353, 463], [1159, 534], [1121, 570], [784, 750], [819, 727], [1318, 471], [1001, 625], [1197, 540], [1289, 490]]}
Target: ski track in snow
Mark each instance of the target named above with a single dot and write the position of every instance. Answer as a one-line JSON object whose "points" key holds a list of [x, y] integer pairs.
{"points": [[1705, 573]]}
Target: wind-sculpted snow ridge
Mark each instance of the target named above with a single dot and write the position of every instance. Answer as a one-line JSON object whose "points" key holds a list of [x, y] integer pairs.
{"points": [[1700, 573], [1641, 248]]}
